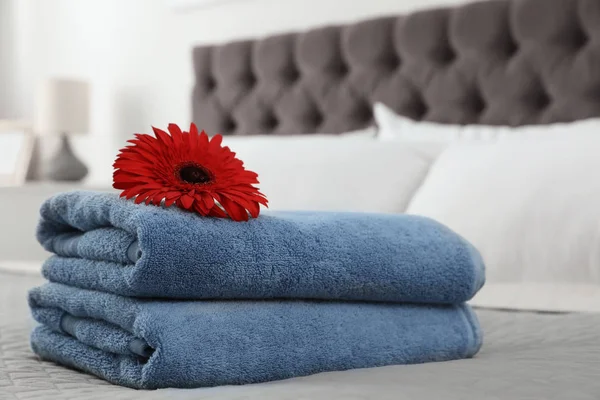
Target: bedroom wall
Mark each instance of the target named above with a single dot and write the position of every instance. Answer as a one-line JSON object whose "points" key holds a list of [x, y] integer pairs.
{"points": [[7, 56], [4, 51], [136, 53]]}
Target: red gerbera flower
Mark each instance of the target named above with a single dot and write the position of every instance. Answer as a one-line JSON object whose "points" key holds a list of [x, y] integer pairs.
{"points": [[190, 170]]}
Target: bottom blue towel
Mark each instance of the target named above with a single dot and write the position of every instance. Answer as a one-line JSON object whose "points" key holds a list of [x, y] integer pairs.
{"points": [[157, 344]]}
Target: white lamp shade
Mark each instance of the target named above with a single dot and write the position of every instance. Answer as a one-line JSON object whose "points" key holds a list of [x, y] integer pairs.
{"points": [[62, 106]]}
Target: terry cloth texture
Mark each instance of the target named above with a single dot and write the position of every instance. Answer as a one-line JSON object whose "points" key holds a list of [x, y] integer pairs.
{"points": [[156, 344], [106, 243]]}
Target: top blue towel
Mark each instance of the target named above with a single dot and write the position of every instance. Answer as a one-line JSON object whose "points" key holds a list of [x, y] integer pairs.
{"points": [[110, 244]]}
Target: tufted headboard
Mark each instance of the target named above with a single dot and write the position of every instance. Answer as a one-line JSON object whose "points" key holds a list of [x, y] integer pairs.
{"points": [[498, 62]]}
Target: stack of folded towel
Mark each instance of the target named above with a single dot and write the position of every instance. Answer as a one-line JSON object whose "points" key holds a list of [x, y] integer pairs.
{"points": [[149, 297]]}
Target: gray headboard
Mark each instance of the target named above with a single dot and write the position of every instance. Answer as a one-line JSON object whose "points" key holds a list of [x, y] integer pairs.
{"points": [[500, 62]]}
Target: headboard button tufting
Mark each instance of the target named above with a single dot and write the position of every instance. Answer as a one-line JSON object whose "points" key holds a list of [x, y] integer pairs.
{"points": [[511, 47], [477, 102], [502, 62], [419, 109], [270, 122], [250, 81], [363, 113], [580, 40], [542, 100], [393, 62], [210, 83], [447, 56], [317, 119], [292, 75], [343, 70], [229, 126]]}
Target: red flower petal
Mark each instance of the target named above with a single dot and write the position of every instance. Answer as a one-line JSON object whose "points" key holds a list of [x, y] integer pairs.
{"points": [[176, 134], [187, 201], [236, 212], [188, 169], [162, 136], [170, 202], [256, 196], [193, 130], [216, 141], [216, 211], [158, 198], [200, 207], [247, 204], [208, 200]]}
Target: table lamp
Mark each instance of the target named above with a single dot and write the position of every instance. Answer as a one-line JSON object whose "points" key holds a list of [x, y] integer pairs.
{"points": [[62, 108]]}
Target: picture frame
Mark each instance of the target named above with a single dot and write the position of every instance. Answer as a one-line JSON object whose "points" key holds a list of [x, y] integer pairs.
{"points": [[16, 149]]}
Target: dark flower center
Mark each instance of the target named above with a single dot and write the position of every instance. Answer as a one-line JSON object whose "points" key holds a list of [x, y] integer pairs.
{"points": [[194, 174]]}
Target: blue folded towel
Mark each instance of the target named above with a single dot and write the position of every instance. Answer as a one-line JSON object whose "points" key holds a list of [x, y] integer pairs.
{"points": [[109, 244], [155, 344]]}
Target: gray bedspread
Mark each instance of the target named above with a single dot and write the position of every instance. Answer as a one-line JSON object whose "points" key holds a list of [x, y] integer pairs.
{"points": [[525, 356]]}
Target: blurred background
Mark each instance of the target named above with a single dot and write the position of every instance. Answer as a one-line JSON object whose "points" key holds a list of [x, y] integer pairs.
{"points": [[125, 65], [136, 55], [480, 114]]}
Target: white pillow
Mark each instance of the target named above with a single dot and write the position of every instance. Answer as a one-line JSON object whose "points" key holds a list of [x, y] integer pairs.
{"points": [[368, 133], [328, 173], [532, 207], [394, 127]]}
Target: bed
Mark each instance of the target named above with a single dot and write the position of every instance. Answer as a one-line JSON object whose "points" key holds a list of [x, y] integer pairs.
{"points": [[525, 356], [498, 62]]}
